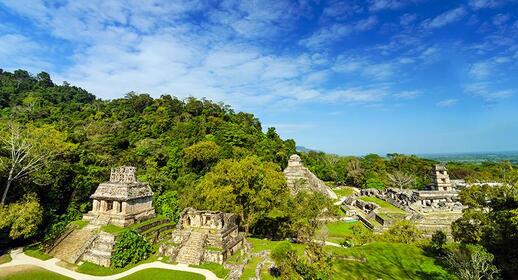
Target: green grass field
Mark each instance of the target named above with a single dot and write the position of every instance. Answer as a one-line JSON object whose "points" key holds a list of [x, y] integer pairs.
{"points": [[337, 232], [249, 270], [217, 268], [27, 272], [385, 207], [97, 270], [344, 191], [385, 261], [163, 274], [36, 252]]}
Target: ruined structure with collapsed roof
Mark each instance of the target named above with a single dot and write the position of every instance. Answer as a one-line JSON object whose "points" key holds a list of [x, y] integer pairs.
{"points": [[203, 236], [300, 178], [122, 201]]}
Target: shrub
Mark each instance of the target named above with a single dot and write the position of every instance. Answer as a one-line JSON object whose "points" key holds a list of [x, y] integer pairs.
{"points": [[402, 232], [130, 247]]}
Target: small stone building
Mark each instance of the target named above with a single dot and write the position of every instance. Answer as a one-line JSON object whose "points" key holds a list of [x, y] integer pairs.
{"points": [[122, 201], [300, 178], [203, 236]]}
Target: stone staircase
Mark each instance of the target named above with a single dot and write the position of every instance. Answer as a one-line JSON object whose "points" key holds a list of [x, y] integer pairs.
{"points": [[192, 250], [100, 220], [74, 245], [100, 251], [431, 222]]}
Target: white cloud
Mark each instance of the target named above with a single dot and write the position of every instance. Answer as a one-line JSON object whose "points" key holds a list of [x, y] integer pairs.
{"points": [[337, 31], [407, 19], [377, 5], [363, 67], [445, 18], [500, 19], [407, 95], [447, 103], [480, 70], [480, 4], [484, 91]]}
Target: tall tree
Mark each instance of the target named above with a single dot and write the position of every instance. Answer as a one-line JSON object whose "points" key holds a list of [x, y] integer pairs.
{"points": [[28, 151]]}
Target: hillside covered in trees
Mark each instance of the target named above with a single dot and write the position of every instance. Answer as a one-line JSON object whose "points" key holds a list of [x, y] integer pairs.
{"points": [[78, 138]]}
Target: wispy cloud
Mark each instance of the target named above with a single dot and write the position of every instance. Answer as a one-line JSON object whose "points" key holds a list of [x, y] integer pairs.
{"points": [[335, 32], [445, 18], [484, 91], [480, 4], [407, 95], [377, 5], [447, 103]]}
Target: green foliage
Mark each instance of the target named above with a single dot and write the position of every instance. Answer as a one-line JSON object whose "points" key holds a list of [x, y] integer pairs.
{"points": [[247, 187], [374, 183], [314, 264], [130, 247], [167, 205], [402, 232], [472, 262], [438, 241], [491, 221], [21, 218]]}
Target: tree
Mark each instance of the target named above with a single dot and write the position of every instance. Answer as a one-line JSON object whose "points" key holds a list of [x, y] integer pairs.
{"points": [[29, 150], [438, 241], [247, 187], [374, 183], [167, 205], [315, 264], [129, 248], [402, 232], [472, 262], [23, 218], [355, 173], [202, 155], [491, 221], [400, 180], [306, 212]]}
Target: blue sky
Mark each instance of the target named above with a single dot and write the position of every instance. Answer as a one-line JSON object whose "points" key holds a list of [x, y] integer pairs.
{"points": [[347, 77]]}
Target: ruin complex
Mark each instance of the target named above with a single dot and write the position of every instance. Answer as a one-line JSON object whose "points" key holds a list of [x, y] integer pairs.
{"points": [[432, 209], [300, 178], [203, 236]]}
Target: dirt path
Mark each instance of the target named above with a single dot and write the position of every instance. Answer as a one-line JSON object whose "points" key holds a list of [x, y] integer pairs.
{"points": [[20, 259]]}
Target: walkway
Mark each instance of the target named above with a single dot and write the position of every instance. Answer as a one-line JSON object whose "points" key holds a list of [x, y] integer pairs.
{"points": [[19, 258]]}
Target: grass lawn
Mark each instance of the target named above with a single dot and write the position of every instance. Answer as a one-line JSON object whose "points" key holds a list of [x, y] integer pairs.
{"points": [[28, 272], [344, 191], [217, 268], [337, 232], [259, 245], [97, 270], [385, 207], [386, 261], [5, 258], [159, 274], [249, 270], [35, 251]]}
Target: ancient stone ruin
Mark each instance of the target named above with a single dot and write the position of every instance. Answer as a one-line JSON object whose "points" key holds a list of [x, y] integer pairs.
{"points": [[122, 201], [432, 209], [300, 178], [203, 236]]}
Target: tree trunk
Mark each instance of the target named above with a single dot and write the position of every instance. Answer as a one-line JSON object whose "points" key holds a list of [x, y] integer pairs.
{"points": [[5, 192]]}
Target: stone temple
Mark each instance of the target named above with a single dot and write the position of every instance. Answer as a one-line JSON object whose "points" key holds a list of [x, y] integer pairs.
{"points": [[203, 236], [300, 178], [122, 201]]}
